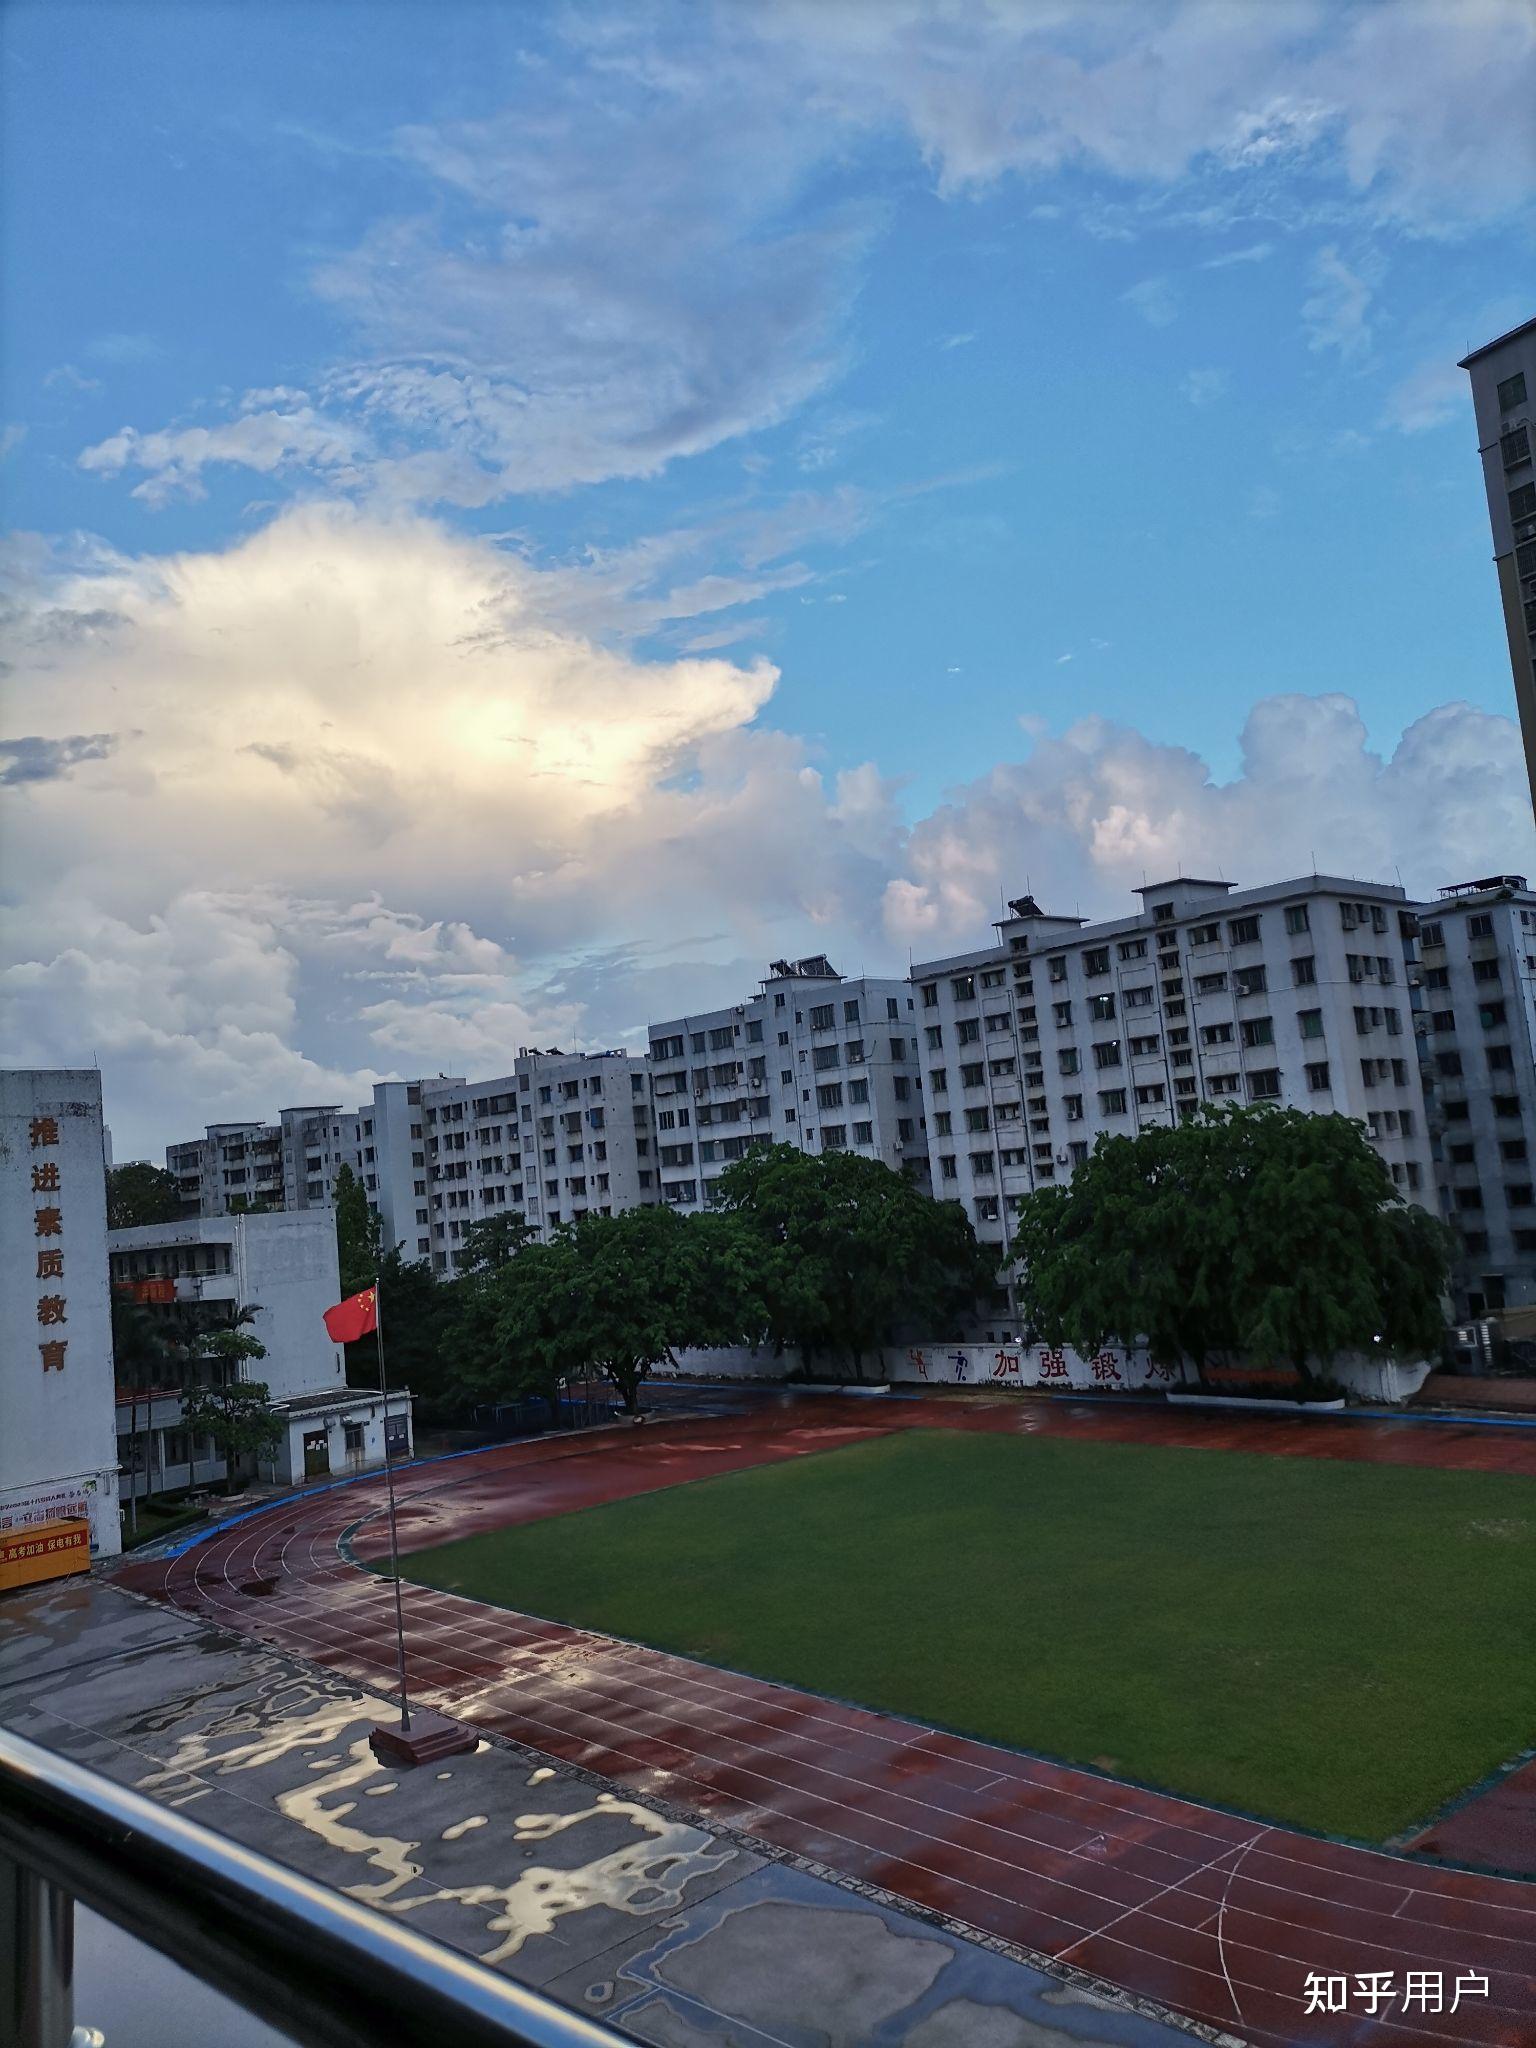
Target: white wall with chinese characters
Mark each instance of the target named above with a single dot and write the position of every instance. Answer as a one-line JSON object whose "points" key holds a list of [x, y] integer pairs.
{"points": [[58, 1437]]}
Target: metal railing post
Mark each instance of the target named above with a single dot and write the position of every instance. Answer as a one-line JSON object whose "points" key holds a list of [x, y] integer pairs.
{"points": [[37, 1959]]}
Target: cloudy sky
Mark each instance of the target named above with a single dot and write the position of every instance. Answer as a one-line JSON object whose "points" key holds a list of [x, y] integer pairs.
{"points": [[518, 515]]}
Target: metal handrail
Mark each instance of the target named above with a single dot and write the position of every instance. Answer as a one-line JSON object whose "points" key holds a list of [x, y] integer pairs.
{"points": [[309, 1961]]}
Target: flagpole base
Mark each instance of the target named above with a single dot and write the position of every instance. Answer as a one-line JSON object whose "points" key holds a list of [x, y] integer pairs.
{"points": [[429, 1738]]}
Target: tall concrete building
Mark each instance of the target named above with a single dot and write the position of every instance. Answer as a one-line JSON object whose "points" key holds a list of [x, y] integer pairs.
{"points": [[812, 1060], [58, 1446], [1503, 377], [564, 1135], [1479, 1040], [1300, 993]]}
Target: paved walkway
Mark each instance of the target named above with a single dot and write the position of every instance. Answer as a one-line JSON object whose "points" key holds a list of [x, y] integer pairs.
{"points": [[1218, 1916]]}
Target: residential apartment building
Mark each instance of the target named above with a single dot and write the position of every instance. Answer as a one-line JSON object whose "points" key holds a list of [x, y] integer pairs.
{"points": [[291, 1164], [813, 1059], [1300, 993], [1503, 384], [1478, 1033], [565, 1135]]}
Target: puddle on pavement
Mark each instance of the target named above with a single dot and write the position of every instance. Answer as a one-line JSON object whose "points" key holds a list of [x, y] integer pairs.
{"points": [[646, 1875], [463, 1827]]}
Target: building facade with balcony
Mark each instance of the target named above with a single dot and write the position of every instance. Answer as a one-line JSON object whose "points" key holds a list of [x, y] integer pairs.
{"points": [[813, 1059], [563, 1136], [1300, 993], [1478, 1031], [195, 1276]]}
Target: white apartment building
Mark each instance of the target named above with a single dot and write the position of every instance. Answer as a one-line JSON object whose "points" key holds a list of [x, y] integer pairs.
{"points": [[1300, 993], [1503, 377], [1479, 1040], [812, 1060], [291, 1164], [282, 1266], [565, 1135]]}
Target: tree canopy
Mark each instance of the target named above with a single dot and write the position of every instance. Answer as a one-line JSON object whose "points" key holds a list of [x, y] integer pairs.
{"points": [[1255, 1232], [359, 1233], [846, 1253], [236, 1416], [138, 1193]]}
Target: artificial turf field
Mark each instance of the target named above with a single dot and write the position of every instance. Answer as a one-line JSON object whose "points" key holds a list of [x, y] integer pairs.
{"points": [[1342, 1646]]}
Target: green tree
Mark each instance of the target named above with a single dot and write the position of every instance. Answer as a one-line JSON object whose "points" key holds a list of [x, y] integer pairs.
{"points": [[491, 1242], [618, 1295], [138, 1193], [416, 1315], [145, 1355], [846, 1252], [232, 1410], [359, 1233], [1243, 1232]]}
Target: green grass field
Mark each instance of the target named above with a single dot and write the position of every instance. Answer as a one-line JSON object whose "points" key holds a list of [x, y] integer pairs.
{"points": [[1343, 1646]]}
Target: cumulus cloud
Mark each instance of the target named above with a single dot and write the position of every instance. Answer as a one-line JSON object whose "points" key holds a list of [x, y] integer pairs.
{"points": [[388, 811], [1104, 807]]}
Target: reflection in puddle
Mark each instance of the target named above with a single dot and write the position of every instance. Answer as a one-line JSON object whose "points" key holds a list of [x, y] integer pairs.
{"points": [[647, 1874], [650, 1870]]}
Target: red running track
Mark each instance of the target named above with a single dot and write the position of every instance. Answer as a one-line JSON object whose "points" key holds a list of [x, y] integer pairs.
{"points": [[1217, 1916]]}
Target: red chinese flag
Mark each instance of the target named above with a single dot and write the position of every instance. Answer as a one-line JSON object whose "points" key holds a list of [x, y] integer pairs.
{"points": [[357, 1316]]}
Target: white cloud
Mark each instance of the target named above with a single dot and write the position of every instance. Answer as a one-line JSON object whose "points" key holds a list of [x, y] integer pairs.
{"points": [[476, 829], [268, 441], [1433, 393], [1336, 313], [638, 258], [1156, 299], [1205, 387], [1095, 812]]}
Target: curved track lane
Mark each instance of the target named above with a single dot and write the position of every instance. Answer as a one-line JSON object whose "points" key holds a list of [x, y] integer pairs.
{"points": [[1215, 1915]]}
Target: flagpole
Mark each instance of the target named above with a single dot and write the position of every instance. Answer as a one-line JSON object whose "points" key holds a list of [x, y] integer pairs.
{"points": [[394, 1548]]}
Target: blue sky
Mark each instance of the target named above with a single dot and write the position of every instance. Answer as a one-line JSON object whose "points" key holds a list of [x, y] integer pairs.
{"points": [[844, 455]]}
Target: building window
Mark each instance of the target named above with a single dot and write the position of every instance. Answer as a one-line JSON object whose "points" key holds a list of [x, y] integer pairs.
{"points": [[1515, 447], [1304, 972], [1297, 918], [1264, 1086], [1317, 1076], [1243, 931], [1512, 392], [1101, 1008], [1112, 1102], [1258, 1031], [1311, 1023], [1249, 981], [1096, 961]]}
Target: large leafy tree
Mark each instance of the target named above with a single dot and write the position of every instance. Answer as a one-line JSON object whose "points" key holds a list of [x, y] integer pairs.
{"points": [[416, 1312], [847, 1253], [614, 1294], [359, 1233], [1243, 1232], [138, 1193], [237, 1416]]}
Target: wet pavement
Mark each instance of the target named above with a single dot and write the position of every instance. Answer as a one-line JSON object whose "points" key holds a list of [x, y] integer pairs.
{"points": [[679, 1933], [1216, 1916]]}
